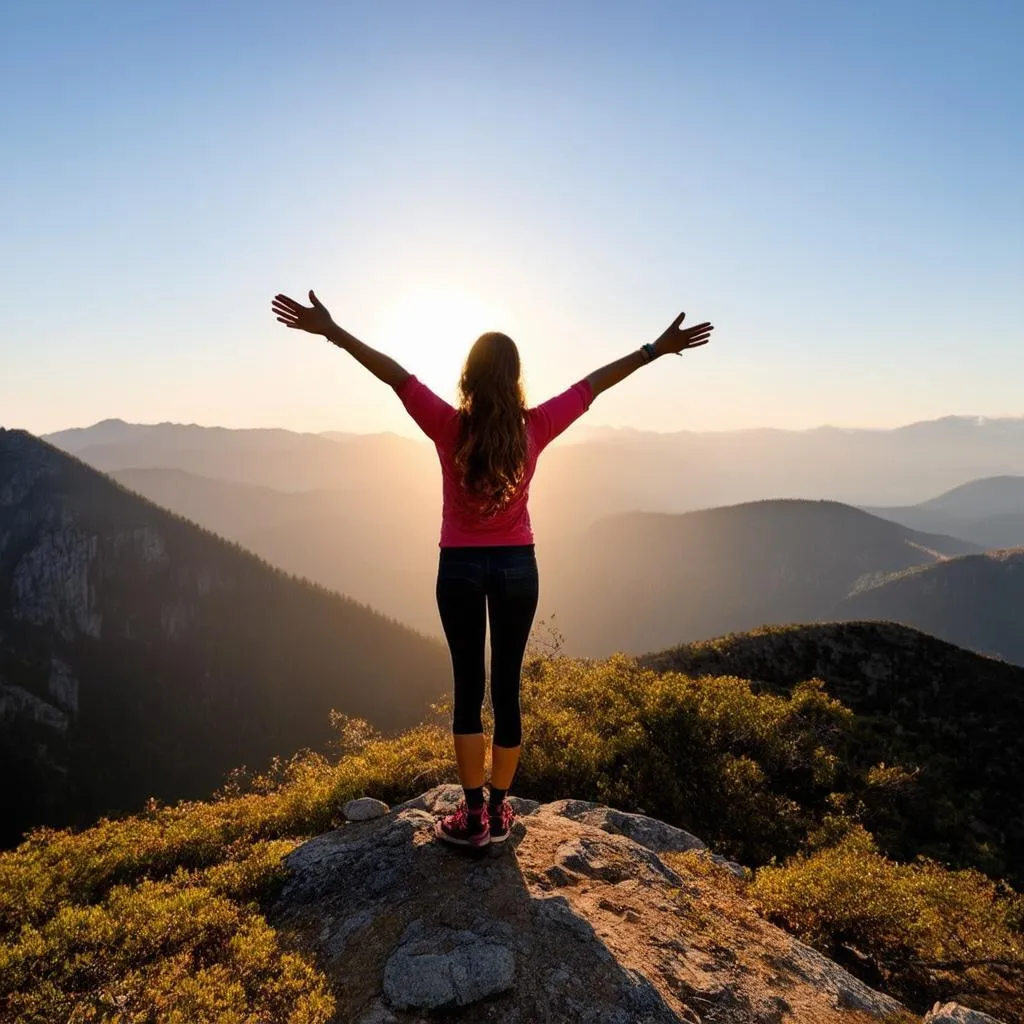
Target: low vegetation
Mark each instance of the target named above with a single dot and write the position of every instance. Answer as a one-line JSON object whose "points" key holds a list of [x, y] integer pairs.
{"points": [[162, 915], [917, 930]]}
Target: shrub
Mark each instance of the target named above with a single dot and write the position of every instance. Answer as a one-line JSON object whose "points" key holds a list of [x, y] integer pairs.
{"points": [[750, 773], [170, 951], [918, 930]]}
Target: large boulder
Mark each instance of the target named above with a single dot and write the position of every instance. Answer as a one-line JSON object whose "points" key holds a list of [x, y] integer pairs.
{"points": [[573, 919]]}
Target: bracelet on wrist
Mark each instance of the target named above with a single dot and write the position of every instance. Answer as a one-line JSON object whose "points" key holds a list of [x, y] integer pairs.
{"points": [[649, 352]]}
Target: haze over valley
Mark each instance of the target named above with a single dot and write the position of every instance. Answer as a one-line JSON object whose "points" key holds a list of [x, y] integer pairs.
{"points": [[690, 535]]}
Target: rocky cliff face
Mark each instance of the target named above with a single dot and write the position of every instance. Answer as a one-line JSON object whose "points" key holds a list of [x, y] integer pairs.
{"points": [[585, 915]]}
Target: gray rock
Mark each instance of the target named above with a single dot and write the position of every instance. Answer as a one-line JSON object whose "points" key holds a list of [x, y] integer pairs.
{"points": [[365, 808], [52, 583], [844, 991], [557, 911], [523, 807], [445, 968], [656, 835], [376, 1013], [612, 861], [439, 800], [16, 703], [62, 686], [954, 1013], [336, 934], [730, 865], [649, 832]]}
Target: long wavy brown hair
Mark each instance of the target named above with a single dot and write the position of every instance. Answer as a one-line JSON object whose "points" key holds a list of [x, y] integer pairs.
{"points": [[491, 450]]}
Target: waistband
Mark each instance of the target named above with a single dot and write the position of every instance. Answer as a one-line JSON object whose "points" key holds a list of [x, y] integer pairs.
{"points": [[512, 549]]}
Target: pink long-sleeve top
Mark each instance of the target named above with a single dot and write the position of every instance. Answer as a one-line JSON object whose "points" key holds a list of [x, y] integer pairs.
{"points": [[462, 525]]}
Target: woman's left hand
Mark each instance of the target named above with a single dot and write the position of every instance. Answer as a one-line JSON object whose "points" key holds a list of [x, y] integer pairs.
{"points": [[315, 319], [676, 339]]}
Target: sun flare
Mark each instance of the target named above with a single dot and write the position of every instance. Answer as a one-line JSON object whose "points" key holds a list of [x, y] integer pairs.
{"points": [[441, 323]]}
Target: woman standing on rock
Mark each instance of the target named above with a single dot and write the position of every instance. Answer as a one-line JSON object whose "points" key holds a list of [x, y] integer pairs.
{"points": [[488, 448]]}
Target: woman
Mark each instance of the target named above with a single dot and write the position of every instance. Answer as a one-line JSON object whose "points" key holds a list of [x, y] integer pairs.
{"points": [[488, 449]]}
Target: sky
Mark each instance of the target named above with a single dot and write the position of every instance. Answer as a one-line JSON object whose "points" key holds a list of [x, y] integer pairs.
{"points": [[836, 186]]}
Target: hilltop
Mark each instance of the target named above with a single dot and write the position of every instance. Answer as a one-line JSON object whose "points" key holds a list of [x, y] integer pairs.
{"points": [[141, 656], [954, 718], [976, 601]]}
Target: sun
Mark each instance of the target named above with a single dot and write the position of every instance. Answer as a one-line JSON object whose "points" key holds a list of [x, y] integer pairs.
{"points": [[437, 323]]}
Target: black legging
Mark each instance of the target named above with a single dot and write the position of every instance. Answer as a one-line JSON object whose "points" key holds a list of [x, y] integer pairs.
{"points": [[504, 579]]}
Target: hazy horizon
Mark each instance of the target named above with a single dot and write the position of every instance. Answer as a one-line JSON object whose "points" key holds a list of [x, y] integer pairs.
{"points": [[836, 188], [579, 434]]}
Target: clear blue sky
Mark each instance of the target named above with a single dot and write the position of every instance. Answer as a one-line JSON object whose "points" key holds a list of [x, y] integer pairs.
{"points": [[838, 186]]}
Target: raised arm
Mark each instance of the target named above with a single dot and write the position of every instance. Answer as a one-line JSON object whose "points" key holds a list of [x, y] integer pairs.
{"points": [[317, 320], [675, 339]]}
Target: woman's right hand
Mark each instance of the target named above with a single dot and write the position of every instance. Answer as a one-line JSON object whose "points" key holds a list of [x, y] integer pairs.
{"points": [[315, 319], [676, 339]]}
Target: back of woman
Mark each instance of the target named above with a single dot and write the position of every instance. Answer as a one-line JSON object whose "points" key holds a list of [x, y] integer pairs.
{"points": [[488, 449]]}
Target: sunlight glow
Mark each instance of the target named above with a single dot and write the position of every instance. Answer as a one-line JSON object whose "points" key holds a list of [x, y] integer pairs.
{"points": [[437, 322]]}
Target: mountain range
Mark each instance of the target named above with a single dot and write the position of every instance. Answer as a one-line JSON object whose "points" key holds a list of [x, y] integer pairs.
{"points": [[643, 581], [988, 512], [359, 515], [598, 471], [118, 617]]}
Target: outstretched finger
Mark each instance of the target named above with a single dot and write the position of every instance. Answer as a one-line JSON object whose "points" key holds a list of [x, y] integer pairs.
{"points": [[287, 301], [278, 307], [678, 320]]}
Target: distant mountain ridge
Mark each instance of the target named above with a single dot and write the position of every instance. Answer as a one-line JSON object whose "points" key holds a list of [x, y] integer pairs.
{"points": [[975, 601], [616, 470], [685, 577], [989, 512], [141, 655], [997, 495]]}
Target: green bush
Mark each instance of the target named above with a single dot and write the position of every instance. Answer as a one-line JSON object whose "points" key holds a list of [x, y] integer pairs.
{"points": [[918, 930], [169, 951], [749, 773]]}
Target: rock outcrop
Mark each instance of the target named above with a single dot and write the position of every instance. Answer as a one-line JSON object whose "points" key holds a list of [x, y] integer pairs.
{"points": [[954, 1013], [586, 914]]}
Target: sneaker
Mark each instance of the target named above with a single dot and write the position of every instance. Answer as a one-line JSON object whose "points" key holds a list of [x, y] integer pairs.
{"points": [[464, 827], [501, 818]]}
